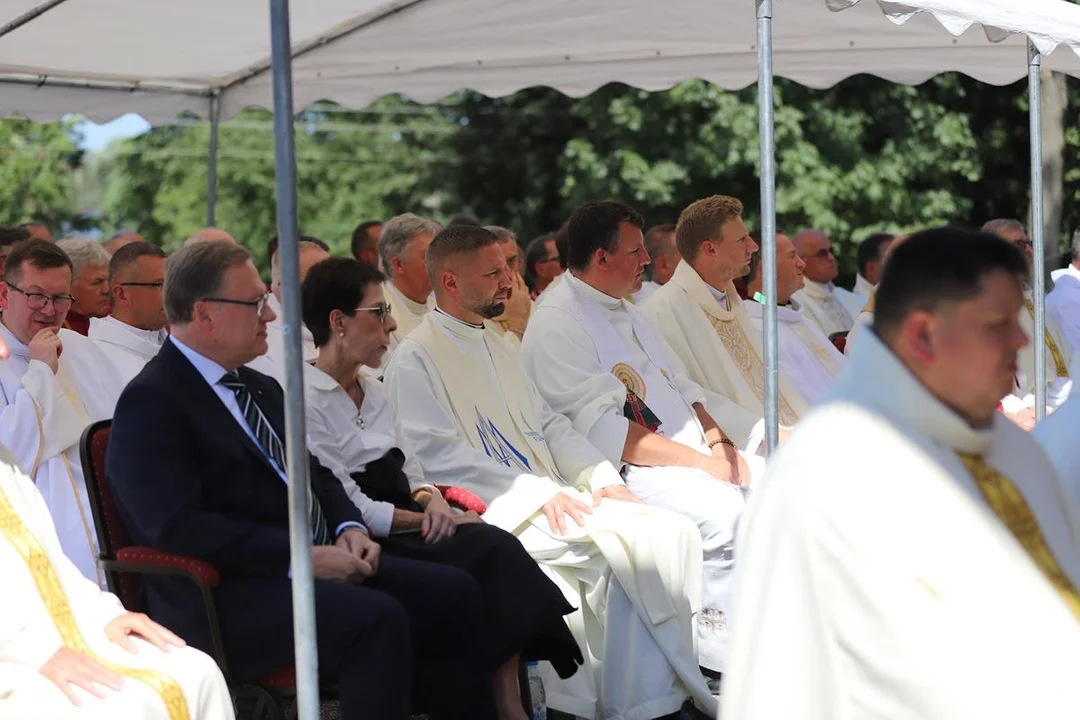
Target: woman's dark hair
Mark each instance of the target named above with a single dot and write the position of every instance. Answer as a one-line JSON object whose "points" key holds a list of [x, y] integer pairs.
{"points": [[334, 284]]}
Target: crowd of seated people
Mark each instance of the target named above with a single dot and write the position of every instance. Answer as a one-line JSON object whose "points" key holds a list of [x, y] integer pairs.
{"points": [[599, 392]]}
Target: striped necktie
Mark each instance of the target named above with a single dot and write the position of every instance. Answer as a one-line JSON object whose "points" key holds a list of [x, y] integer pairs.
{"points": [[273, 447]]}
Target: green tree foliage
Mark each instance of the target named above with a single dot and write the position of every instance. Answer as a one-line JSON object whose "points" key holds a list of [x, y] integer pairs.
{"points": [[37, 173]]}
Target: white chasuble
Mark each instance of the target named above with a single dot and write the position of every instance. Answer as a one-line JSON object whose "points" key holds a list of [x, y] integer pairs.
{"points": [[878, 579], [822, 306], [272, 362], [127, 347], [719, 347], [585, 350], [1059, 355], [807, 357], [407, 313], [1063, 304], [42, 418], [49, 605], [474, 419]]}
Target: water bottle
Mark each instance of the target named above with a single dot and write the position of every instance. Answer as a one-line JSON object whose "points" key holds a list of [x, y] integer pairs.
{"points": [[536, 692]]}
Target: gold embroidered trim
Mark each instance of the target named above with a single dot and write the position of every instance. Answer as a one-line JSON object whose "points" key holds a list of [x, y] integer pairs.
{"points": [[816, 349], [869, 308], [59, 608], [41, 437], [750, 366], [1013, 510], [82, 516], [1060, 366]]}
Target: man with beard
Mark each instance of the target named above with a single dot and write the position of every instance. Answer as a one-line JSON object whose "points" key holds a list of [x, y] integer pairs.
{"points": [[474, 419], [701, 316]]}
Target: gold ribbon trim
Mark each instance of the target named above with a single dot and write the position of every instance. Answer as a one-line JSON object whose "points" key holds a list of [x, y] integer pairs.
{"points": [[59, 609], [750, 365], [1013, 510], [1060, 366]]}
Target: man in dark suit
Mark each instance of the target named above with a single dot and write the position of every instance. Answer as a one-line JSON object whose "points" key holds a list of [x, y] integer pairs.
{"points": [[196, 462]]}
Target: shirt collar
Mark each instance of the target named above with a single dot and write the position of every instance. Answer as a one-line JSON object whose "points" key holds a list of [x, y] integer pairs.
{"points": [[209, 369], [605, 300]]}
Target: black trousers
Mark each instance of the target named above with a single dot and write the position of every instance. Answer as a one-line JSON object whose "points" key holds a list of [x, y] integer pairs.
{"points": [[415, 630]]}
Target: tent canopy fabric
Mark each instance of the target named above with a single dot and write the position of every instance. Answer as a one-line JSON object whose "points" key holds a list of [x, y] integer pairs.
{"points": [[103, 58]]}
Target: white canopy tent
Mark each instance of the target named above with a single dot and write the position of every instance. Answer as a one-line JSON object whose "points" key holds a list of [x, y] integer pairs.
{"points": [[103, 58]]}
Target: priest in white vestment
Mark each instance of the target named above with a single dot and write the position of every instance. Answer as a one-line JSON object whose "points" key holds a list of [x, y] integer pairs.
{"points": [[1059, 435], [664, 257], [807, 357], [702, 318], [474, 419], [403, 250], [943, 584], [69, 651], [1059, 352], [819, 297], [1063, 302], [870, 259], [511, 324], [311, 252], [135, 329], [53, 385], [598, 360]]}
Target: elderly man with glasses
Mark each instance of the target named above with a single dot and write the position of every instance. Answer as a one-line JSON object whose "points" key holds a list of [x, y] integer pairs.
{"points": [[134, 331], [818, 298], [52, 386]]}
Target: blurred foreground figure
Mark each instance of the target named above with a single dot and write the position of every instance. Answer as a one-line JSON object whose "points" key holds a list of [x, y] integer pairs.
{"points": [[906, 529]]}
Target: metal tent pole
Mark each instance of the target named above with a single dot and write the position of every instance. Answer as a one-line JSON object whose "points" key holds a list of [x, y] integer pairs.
{"points": [[768, 218], [1038, 279], [211, 171], [307, 663]]}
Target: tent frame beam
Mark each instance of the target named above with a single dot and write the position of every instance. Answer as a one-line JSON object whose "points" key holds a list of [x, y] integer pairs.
{"points": [[1038, 226], [767, 174], [31, 14]]}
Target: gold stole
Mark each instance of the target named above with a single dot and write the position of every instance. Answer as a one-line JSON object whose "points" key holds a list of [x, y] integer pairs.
{"points": [[870, 303], [1059, 362], [1013, 510], [59, 609], [749, 363]]}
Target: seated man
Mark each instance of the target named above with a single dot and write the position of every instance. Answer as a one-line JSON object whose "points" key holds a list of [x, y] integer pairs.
{"points": [[598, 361], [197, 467], [311, 251], [89, 283], [701, 316], [515, 318], [79, 655], [134, 331], [807, 358], [209, 234], [905, 516], [472, 417], [403, 247], [54, 384], [870, 259], [820, 298]]}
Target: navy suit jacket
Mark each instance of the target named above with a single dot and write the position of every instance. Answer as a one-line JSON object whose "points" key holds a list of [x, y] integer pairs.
{"points": [[188, 479]]}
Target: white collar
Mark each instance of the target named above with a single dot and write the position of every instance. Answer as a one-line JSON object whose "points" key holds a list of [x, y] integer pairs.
{"points": [[209, 369], [411, 305], [605, 300], [157, 337]]}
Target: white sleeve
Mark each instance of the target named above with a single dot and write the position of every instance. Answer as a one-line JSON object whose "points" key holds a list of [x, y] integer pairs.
{"points": [[37, 420], [561, 359], [325, 446], [445, 455]]}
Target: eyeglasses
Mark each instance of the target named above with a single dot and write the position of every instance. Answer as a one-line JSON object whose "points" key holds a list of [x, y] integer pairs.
{"points": [[38, 301], [822, 254], [1025, 243], [158, 284], [259, 304], [381, 310]]}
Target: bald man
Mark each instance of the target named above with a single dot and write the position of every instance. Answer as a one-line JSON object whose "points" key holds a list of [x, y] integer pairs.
{"points": [[819, 298], [209, 234], [120, 239]]}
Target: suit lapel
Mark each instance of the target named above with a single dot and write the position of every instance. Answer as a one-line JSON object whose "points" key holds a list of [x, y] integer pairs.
{"points": [[209, 407]]}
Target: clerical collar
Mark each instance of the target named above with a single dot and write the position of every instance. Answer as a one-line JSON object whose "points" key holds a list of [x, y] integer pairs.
{"points": [[818, 289], [592, 293], [458, 320], [719, 295], [15, 345], [414, 307], [154, 336]]}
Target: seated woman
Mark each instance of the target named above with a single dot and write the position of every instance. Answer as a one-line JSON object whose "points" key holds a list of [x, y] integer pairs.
{"points": [[354, 431]]}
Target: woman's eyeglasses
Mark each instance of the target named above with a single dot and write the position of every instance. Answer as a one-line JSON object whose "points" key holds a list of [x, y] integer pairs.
{"points": [[381, 310]]}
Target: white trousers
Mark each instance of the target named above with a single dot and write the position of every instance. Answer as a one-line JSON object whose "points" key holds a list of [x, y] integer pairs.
{"points": [[634, 669], [715, 507], [25, 694]]}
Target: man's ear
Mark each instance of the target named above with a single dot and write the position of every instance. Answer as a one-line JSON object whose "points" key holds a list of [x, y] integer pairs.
{"points": [[919, 334]]}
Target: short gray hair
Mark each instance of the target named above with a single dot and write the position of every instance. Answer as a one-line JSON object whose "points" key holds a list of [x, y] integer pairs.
{"points": [[83, 253], [396, 234], [195, 272], [500, 232], [1003, 225]]}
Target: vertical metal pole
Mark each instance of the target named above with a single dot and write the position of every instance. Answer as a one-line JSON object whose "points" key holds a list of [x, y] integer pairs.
{"points": [[1038, 223], [211, 171], [307, 663], [768, 218]]}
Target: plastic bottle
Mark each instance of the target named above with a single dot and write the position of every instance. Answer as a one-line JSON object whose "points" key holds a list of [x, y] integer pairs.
{"points": [[536, 692]]}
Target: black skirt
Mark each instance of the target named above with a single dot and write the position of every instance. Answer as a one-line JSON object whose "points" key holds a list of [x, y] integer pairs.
{"points": [[524, 607]]}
